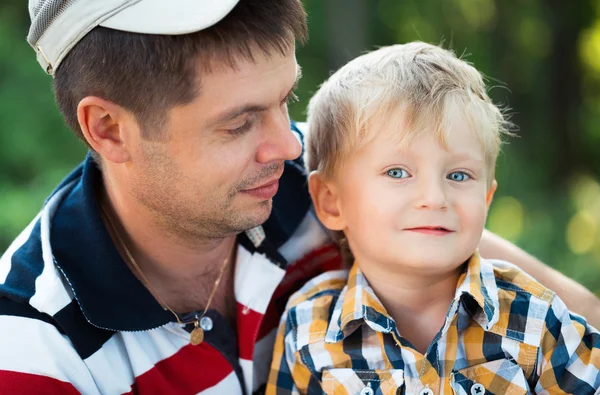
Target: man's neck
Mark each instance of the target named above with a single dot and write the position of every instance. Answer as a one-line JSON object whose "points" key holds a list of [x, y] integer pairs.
{"points": [[181, 273], [418, 303]]}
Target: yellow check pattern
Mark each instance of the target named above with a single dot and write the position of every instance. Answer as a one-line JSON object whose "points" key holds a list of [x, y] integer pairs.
{"points": [[504, 334]]}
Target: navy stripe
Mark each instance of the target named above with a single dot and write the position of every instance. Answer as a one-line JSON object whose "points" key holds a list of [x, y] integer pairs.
{"points": [[9, 307], [553, 324], [290, 205], [109, 294], [591, 339], [26, 266], [352, 346], [517, 319], [491, 347], [574, 385], [299, 161], [284, 376], [86, 338]]}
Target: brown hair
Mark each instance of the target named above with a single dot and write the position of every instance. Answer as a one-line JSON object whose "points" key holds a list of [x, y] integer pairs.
{"points": [[150, 74]]}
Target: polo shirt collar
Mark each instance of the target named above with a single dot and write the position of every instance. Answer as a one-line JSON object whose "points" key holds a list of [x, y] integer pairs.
{"points": [[108, 293]]}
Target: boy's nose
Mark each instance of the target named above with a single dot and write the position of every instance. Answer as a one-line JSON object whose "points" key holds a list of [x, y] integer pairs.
{"points": [[432, 195]]}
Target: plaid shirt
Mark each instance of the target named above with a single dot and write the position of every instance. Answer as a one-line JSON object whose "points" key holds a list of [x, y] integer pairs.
{"points": [[504, 334]]}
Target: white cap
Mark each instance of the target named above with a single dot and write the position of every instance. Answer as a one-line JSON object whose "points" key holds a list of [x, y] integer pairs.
{"points": [[57, 25]]}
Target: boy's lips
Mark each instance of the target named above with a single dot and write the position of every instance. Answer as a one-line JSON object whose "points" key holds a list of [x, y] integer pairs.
{"points": [[431, 230]]}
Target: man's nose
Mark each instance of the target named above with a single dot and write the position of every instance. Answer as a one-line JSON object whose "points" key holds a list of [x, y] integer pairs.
{"points": [[279, 142]]}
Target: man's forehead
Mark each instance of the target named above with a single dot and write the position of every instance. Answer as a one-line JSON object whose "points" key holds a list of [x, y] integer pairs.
{"points": [[252, 87], [238, 67]]}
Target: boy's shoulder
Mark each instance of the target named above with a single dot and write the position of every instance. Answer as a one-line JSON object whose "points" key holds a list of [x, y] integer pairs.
{"points": [[327, 285], [510, 278], [524, 305]]}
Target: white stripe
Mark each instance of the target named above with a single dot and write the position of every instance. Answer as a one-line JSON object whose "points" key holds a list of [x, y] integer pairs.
{"points": [[256, 278], [50, 293], [309, 235], [303, 127], [112, 360], [5, 260], [588, 373], [229, 385], [130, 354], [36, 347], [247, 370]]}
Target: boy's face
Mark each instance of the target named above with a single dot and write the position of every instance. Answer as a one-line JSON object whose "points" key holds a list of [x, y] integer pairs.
{"points": [[420, 208]]}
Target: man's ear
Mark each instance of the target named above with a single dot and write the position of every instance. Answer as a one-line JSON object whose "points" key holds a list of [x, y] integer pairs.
{"points": [[325, 198], [490, 194], [104, 125]]}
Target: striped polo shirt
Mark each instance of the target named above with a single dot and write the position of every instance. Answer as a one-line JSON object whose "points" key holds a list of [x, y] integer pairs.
{"points": [[74, 318]]}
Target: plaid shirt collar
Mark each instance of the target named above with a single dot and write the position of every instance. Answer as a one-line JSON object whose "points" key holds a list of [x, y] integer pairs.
{"points": [[358, 304]]}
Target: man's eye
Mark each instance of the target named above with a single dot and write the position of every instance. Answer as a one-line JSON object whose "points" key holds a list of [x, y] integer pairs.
{"points": [[458, 176], [291, 98], [242, 129], [398, 173]]}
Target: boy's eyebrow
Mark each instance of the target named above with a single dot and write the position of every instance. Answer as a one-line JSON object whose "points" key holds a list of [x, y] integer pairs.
{"points": [[468, 158], [250, 108]]}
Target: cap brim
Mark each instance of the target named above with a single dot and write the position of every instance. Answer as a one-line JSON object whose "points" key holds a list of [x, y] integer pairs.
{"points": [[170, 17]]}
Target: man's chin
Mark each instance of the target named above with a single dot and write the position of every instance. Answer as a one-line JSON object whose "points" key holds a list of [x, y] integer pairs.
{"points": [[258, 215]]}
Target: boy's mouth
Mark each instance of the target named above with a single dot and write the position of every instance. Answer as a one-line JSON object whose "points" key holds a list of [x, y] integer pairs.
{"points": [[431, 230]]}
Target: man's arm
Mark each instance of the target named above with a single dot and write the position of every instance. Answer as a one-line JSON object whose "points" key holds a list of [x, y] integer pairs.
{"points": [[576, 297]]}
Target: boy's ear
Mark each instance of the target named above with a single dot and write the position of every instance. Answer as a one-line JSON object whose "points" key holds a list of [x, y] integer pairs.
{"points": [[325, 198], [490, 193]]}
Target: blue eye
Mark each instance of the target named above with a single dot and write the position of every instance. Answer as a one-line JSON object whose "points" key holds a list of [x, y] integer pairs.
{"points": [[397, 173], [458, 176]]}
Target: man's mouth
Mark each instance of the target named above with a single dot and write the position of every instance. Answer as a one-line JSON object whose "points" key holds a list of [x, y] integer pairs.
{"points": [[264, 191]]}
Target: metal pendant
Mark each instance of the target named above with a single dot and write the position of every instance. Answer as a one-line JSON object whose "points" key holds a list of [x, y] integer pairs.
{"points": [[197, 335]]}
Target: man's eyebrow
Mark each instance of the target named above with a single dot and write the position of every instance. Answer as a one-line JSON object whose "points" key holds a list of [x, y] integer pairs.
{"points": [[296, 82], [250, 108], [236, 112]]}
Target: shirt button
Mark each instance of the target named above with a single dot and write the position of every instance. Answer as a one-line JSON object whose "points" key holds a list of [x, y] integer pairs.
{"points": [[367, 391], [426, 391], [206, 323], [477, 389]]}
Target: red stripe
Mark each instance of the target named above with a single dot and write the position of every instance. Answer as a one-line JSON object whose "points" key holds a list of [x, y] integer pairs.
{"points": [[318, 261], [252, 325], [17, 383], [248, 324], [196, 368]]}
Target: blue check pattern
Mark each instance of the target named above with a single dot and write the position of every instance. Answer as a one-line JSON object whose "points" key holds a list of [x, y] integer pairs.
{"points": [[504, 334]]}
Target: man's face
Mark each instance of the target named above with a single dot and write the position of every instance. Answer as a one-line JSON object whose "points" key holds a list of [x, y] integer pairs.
{"points": [[419, 208], [217, 170]]}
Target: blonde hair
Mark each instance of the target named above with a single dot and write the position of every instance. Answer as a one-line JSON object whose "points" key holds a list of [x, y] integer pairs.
{"points": [[423, 83]]}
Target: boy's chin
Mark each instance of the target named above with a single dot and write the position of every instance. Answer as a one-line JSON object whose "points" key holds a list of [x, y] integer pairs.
{"points": [[430, 263]]}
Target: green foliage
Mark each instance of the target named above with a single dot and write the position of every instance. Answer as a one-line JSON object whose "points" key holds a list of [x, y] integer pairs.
{"points": [[541, 58]]}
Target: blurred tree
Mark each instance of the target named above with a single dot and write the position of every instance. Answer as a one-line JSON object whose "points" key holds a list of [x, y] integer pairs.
{"points": [[542, 59]]}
